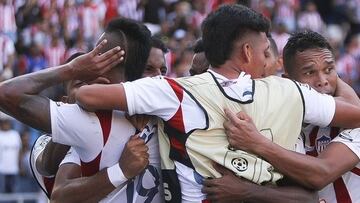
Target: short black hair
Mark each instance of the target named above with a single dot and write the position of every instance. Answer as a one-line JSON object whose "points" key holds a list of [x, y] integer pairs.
{"points": [[221, 28], [302, 41], [137, 45], [157, 43], [198, 46]]}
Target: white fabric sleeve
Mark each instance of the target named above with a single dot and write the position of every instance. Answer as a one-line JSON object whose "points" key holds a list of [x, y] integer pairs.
{"points": [[151, 96], [350, 138], [319, 108], [67, 124], [299, 145], [71, 157]]}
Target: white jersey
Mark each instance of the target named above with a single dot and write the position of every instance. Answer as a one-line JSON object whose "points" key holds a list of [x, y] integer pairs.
{"points": [[161, 97], [346, 189], [46, 183], [99, 139]]}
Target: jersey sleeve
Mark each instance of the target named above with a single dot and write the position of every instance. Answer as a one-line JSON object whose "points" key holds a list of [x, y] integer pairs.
{"points": [[350, 138], [67, 120], [151, 96], [71, 157], [319, 108]]}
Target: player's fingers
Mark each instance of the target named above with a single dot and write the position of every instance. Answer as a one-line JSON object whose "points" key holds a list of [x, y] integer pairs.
{"points": [[231, 116], [98, 48], [243, 116], [221, 169], [116, 51]]}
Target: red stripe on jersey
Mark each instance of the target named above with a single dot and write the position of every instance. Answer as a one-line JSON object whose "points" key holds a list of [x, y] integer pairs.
{"points": [[356, 171], [105, 118], [92, 167], [176, 88], [205, 201], [176, 144], [312, 137], [334, 132], [342, 195], [177, 121], [49, 184]]}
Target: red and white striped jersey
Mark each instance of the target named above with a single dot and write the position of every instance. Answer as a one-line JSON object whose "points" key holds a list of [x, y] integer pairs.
{"points": [[346, 189], [99, 139], [55, 55], [7, 48], [7, 18]]}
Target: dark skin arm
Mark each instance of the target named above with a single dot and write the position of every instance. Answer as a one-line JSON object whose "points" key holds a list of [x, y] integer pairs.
{"points": [[19, 97], [230, 188], [311, 172], [133, 161], [49, 160]]}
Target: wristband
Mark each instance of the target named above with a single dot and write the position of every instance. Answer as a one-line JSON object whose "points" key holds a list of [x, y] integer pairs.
{"points": [[116, 176]]}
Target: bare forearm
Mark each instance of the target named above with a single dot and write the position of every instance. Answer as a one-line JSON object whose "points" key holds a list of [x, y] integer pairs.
{"points": [[52, 156], [306, 170], [84, 189], [19, 96], [346, 93], [269, 194]]}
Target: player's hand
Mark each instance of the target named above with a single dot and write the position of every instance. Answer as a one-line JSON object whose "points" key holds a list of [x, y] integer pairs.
{"points": [[228, 188], [94, 64], [138, 121], [241, 132], [135, 157]]}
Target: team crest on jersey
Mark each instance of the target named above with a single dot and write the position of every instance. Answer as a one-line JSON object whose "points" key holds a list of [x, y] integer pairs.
{"points": [[240, 164], [322, 142]]}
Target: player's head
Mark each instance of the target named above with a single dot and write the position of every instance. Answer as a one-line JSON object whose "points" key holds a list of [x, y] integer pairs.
{"points": [[308, 58], [155, 64], [236, 35], [199, 63], [274, 60], [134, 38]]}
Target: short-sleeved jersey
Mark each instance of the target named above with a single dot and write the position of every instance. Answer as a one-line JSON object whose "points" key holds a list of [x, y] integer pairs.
{"points": [[46, 183], [193, 113], [347, 187], [99, 139]]}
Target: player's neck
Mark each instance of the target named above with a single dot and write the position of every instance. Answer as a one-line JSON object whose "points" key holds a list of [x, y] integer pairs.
{"points": [[229, 69]]}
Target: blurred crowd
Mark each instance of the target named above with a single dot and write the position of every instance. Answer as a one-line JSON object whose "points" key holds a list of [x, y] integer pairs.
{"points": [[36, 34]]}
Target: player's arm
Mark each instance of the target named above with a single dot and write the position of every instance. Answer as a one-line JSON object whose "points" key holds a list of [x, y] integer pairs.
{"points": [[312, 172], [48, 161], [345, 93], [234, 189], [98, 96], [19, 97], [132, 162]]}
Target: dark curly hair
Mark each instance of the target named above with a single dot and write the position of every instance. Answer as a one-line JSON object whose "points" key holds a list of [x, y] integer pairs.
{"points": [[137, 44], [302, 41], [226, 25]]}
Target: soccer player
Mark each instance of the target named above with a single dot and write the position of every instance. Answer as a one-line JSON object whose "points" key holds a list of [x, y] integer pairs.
{"points": [[66, 181], [309, 59], [94, 135], [199, 63], [235, 43]]}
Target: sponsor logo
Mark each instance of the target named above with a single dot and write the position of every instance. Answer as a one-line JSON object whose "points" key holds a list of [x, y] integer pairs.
{"points": [[240, 164]]}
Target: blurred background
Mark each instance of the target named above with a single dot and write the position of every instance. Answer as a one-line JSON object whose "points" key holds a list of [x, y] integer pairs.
{"points": [[36, 34]]}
